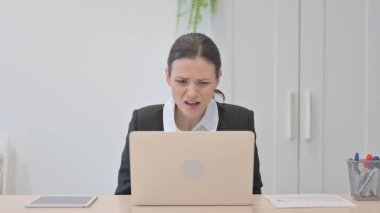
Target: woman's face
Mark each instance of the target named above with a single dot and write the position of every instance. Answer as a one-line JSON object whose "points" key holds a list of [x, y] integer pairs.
{"points": [[192, 82]]}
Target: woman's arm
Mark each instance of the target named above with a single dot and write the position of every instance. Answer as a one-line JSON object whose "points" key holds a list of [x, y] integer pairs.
{"points": [[124, 179], [257, 183]]}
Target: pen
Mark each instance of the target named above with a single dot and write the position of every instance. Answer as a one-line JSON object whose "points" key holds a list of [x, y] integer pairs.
{"points": [[374, 164], [368, 158], [356, 163], [356, 156]]}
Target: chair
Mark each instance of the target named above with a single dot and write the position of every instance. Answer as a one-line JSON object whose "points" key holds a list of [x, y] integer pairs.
{"points": [[4, 163]]}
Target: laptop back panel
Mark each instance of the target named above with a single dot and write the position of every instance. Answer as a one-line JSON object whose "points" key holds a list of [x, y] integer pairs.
{"points": [[192, 168]]}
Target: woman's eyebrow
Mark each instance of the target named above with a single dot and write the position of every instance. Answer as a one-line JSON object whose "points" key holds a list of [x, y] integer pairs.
{"points": [[180, 77]]}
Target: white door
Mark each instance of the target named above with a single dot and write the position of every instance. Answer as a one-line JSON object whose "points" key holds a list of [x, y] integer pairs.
{"points": [[309, 70]]}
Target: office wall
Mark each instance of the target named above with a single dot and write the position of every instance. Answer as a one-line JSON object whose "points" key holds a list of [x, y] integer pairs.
{"points": [[71, 74]]}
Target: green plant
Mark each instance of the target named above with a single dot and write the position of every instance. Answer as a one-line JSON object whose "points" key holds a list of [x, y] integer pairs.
{"points": [[195, 14]]}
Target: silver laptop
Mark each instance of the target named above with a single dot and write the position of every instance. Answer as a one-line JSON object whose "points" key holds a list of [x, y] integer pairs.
{"points": [[192, 168]]}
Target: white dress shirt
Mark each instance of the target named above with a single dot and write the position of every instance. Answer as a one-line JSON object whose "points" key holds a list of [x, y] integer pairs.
{"points": [[209, 121]]}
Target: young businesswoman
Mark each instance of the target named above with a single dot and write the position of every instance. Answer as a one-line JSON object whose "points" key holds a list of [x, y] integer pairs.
{"points": [[193, 73]]}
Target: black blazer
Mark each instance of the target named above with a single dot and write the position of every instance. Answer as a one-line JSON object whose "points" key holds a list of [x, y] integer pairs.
{"points": [[150, 118]]}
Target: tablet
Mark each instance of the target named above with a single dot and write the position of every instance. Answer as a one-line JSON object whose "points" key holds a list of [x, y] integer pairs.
{"points": [[62, 201]]}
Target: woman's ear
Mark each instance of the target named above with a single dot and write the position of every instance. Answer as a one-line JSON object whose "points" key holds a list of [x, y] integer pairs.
{"points": [[167, 76], [219, 75]]}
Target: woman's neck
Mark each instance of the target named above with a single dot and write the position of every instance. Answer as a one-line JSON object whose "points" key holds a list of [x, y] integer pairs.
{"points": [[183, 122]]}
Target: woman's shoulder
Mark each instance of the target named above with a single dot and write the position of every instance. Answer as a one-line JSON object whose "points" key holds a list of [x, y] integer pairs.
{"points": [[232, 108], [149, 117], [234, 117], [151, 108], [151, 111]]}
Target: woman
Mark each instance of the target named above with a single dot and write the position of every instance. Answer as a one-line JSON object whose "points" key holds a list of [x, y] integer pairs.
{"points": [[193, 73]]}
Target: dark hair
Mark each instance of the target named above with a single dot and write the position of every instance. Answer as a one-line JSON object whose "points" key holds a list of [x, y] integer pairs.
{"points": [[194, 45]]}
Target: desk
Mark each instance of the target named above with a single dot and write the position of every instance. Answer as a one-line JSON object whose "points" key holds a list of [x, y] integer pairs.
{"points": [[115, 204]]}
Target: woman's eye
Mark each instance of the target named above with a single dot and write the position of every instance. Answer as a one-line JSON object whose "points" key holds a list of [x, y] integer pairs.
{"points": [[181, 81], [204, 83]]}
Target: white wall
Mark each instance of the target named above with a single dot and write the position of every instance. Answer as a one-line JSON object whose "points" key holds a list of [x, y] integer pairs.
{"points": [[71, 74], [253, 63]]}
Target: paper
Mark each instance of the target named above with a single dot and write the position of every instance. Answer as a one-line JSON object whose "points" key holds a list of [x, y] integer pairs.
{"points": [[308, 201]]}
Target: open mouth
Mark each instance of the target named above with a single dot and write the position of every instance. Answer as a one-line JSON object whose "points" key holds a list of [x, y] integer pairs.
{"points": [[192, 103]]}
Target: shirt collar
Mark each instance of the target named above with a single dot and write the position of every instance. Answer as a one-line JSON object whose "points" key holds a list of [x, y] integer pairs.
{"points": [[209, 121]]}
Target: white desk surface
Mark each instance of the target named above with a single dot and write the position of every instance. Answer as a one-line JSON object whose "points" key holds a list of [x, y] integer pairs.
{"points": [[115, 204]]}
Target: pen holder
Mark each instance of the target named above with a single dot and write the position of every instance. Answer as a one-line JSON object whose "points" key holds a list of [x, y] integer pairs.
{"points": [[364, 179]]}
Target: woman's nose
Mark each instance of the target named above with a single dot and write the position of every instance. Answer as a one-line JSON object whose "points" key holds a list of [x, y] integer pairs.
{"points": [[192, 91]]}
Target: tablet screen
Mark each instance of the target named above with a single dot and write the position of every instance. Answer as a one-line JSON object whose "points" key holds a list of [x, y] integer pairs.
{"points": [[62, 201]]}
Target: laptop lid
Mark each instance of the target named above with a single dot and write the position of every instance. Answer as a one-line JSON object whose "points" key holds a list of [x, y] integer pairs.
{"points": [[192, 168]]}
